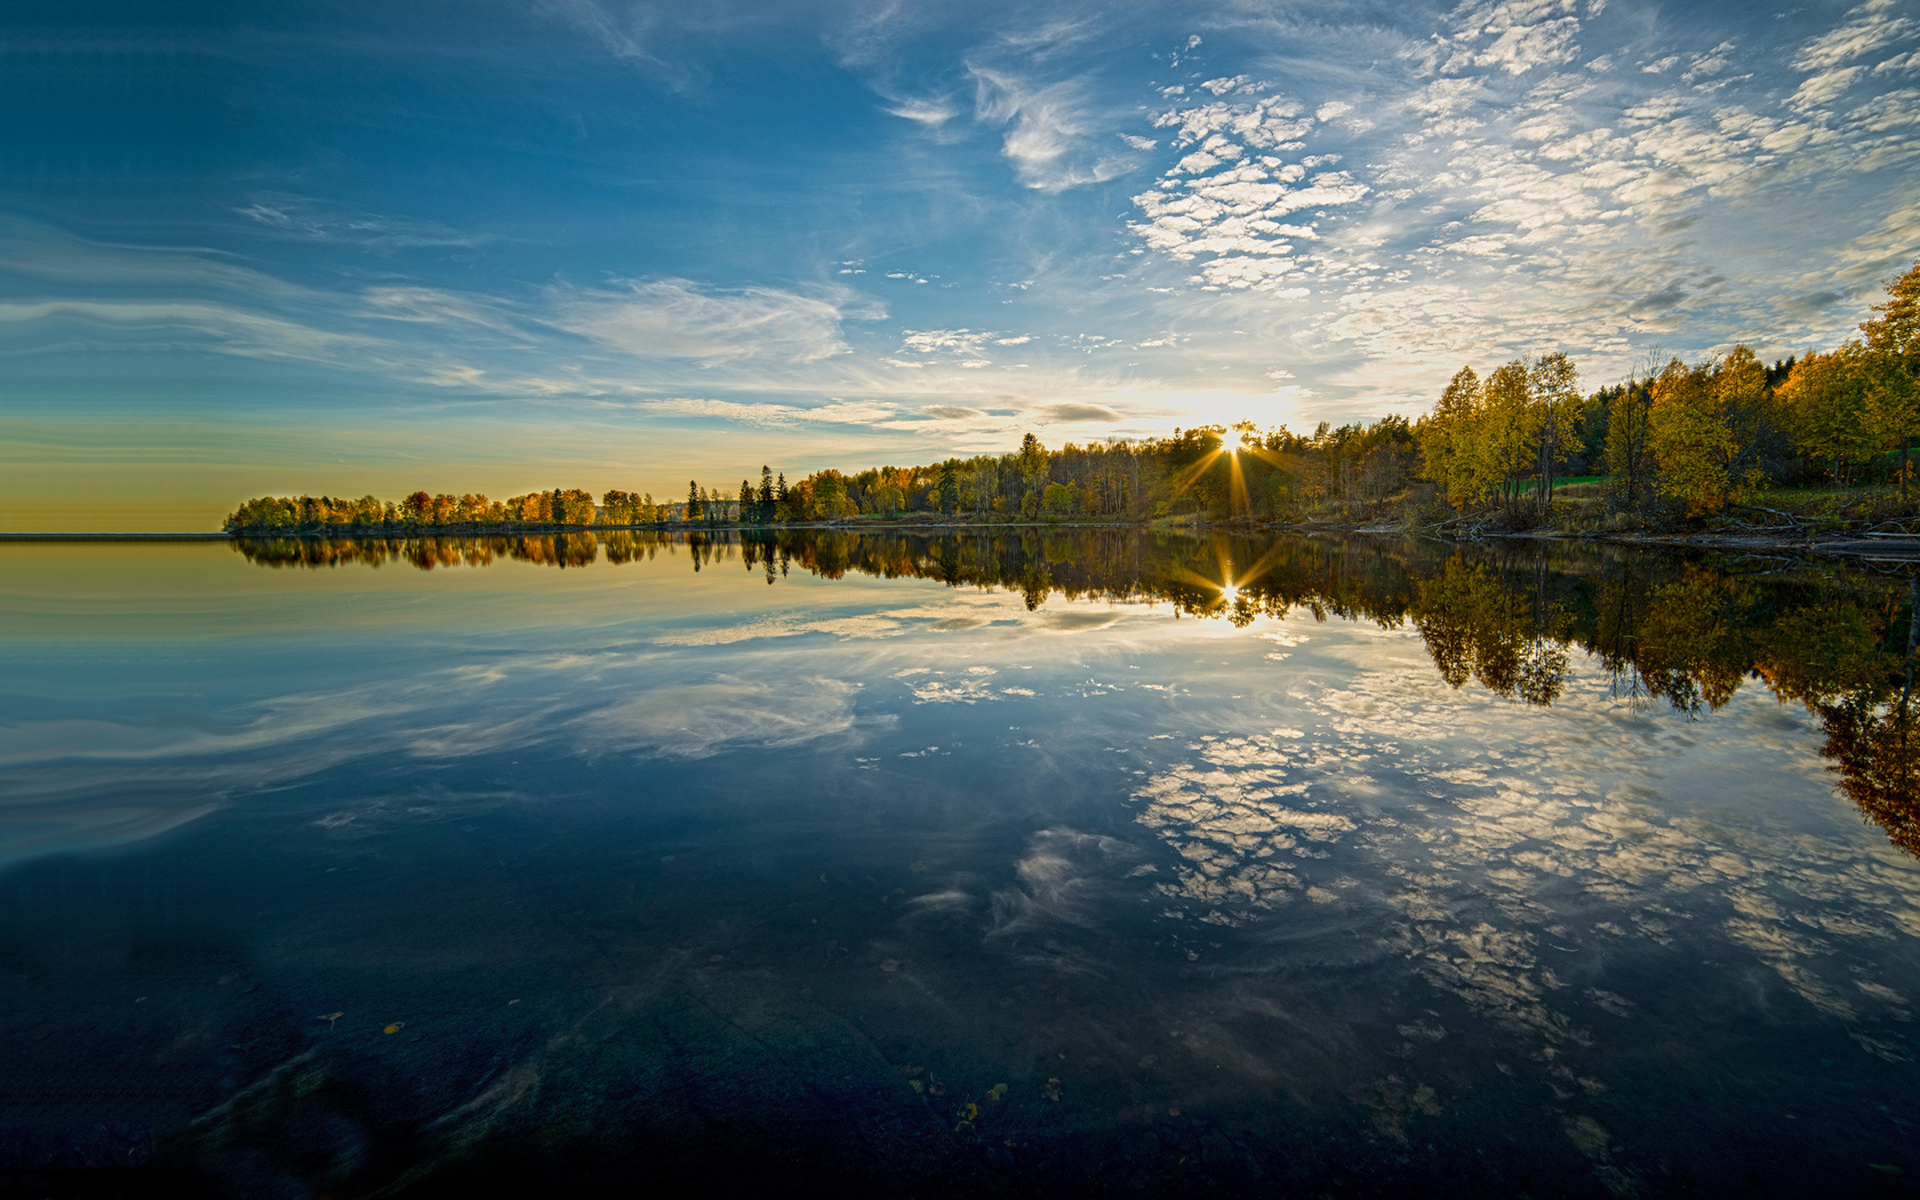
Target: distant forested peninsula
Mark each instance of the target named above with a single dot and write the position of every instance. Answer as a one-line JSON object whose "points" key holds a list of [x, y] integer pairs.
{"points": [[1819, 441]]}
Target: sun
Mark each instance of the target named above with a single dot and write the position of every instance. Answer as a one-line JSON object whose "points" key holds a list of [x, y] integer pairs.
{"points": [[1229, 593]]}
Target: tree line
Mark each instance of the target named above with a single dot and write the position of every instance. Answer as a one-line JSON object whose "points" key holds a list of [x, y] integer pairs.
{"points": [[1692, 437], [1676, 438]]}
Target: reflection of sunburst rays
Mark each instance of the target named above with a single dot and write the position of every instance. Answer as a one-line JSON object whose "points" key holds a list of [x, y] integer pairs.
{"points": [[1260, 566], [1230, 583]]}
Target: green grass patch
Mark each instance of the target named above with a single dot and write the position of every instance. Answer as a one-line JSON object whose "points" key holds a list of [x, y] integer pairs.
{"points": [[1528, 485]]}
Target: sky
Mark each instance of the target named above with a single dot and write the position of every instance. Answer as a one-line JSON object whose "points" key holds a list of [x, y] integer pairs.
{"points": [[486, 246]]}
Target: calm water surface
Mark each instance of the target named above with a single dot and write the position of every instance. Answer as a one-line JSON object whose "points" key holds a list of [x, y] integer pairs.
{"points": [[1076, 863]]}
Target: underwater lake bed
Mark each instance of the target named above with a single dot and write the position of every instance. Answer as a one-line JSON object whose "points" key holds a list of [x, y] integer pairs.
{"points": [[1010, 862]]}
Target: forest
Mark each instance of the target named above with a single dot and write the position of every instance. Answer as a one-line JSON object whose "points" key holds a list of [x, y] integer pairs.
{"points": [[1673, 443]]}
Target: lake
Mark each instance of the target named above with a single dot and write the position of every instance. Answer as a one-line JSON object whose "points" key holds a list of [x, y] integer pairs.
{"points": [[1016, 862]]}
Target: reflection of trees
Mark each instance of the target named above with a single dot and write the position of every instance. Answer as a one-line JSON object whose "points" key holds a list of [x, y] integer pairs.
{"points": [[1691, 647], [1874, 750], [1870, 732], [1477, 623], [427, 554]]}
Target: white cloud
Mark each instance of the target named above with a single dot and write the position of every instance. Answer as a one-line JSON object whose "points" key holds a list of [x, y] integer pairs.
{"points": [[930, 112], [950, 341], [674, 318], [1228, 201], [1067, 414], [1523, 48], [1514, 36], [163, 325], [1899, 64], [838, 412], [435, 306], [306, 217], [1051, 130], [1869, 27], [1818, 91]]}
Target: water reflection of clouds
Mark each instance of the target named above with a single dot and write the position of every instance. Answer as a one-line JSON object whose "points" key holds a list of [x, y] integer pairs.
{"points": [[83, 785], [1501, 831], [957, 613], [1065, 875], [701, 720], [679, 693], [1505, 851]]}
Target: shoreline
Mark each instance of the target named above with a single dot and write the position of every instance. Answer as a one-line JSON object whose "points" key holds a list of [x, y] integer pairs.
{"points": [[1901, 547]]}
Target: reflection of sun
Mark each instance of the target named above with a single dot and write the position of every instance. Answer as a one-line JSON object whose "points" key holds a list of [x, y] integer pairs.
{"points": [[1229, 593]]}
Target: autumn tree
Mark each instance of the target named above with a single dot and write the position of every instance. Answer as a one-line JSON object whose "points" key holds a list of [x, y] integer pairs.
{"points": [[1509, 429], [1825, 399], [1892, 368], [1554, 382], [1629, 447], [1691, 437], [1448, 438]]}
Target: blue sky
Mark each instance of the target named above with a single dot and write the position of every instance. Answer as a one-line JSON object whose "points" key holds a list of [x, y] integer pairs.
{"points": [[503, 246]]}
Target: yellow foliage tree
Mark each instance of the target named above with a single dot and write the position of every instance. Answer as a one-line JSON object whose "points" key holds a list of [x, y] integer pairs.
{"points": [[1825, 399], [1893, 368], [1692, 436], [1557, 402], [1448, 441], [1509, 429]]}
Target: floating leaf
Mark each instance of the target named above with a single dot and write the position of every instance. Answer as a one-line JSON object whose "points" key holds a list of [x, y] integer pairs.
{"points": [[330, 1018], [1052, 1090], [997, 1092], [396, 1027]]}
